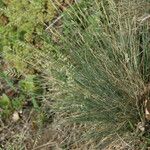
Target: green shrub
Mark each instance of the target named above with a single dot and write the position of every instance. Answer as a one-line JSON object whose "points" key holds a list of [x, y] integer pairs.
{"points": [[22, 27], [27, 85], [4, 101], [5, 106], [22, 32]]}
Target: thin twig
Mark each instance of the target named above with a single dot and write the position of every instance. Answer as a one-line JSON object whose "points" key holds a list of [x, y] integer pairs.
{"points": [[144, 18], [44, 145], [56, 20]]}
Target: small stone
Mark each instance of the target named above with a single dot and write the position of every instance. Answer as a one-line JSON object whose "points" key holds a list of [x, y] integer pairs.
{"points": [[15, 116], [141, 126], [20, 112]]}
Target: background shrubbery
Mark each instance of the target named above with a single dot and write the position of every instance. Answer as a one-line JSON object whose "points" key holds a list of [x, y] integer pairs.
{"points": [[22, 29]]}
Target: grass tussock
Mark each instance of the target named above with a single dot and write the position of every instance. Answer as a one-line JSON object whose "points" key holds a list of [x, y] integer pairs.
{"points": [[94, 61], [106, 50]]}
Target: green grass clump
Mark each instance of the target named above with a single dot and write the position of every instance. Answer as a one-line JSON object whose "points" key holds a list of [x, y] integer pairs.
{"points": [[96, 68], [107, 50]]}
